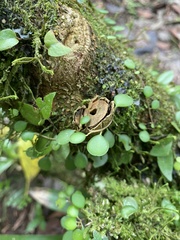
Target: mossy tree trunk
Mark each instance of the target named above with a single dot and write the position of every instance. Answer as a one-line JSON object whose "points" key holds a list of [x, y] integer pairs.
{"points": [[94, 67], [86, 81]]}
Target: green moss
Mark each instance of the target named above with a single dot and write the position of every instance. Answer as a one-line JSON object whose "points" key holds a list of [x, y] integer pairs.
{"points": [[29, 15], [103, 211]]}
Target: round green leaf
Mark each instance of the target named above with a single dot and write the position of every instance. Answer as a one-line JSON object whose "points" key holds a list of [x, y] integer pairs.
{"points": [[155, 104], [144, 136], [98, 146], [72, 211], [69, 190], [142, 126], [27, 136], [110, 138], [177, 166], [7, 39], [68, 223], [20, 126], [44, 164], [62, 195], [61, 202], [78, 199], [69, 163], [64, 136], [55, 145], [130, 201], [127, 211], [58, 50], [78, 234], [80, 160], [77, 137], [148, 91], [123, 100], [50, 39], [99, 161], [178, 159], [129, 64], [67, 235], [85, 120]]}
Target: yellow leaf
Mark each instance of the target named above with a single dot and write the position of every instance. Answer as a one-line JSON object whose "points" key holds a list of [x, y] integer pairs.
{"points": [[30, 166], [3, 131]]}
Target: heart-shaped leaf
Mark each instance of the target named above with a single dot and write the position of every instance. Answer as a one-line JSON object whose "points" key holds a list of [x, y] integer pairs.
{"points": [[50, 39], [55, 48], [99, 161], [45, 105], [126, 140], [58, 50], [8, 39], [163, 148]]}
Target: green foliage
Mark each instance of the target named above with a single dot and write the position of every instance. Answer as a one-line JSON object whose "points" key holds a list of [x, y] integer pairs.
{"points": [[99, 161], [64, 136], [8, 39], [155, 104], [68, 222], [170, 209], [55, 48], [80, 160], [45, 164], [45, 105], [27, 136], [165, 77], [75, 202], [77, 137], [134, 209], [37, 116], [166, 164], [129, 207], [126, 140], [109, 136], [123, 100], [136, 140], [78, 199], [177, 164], [20, 126], [109, 21], [144, 136], [148, 91], [129, 63], [98, 146]]}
